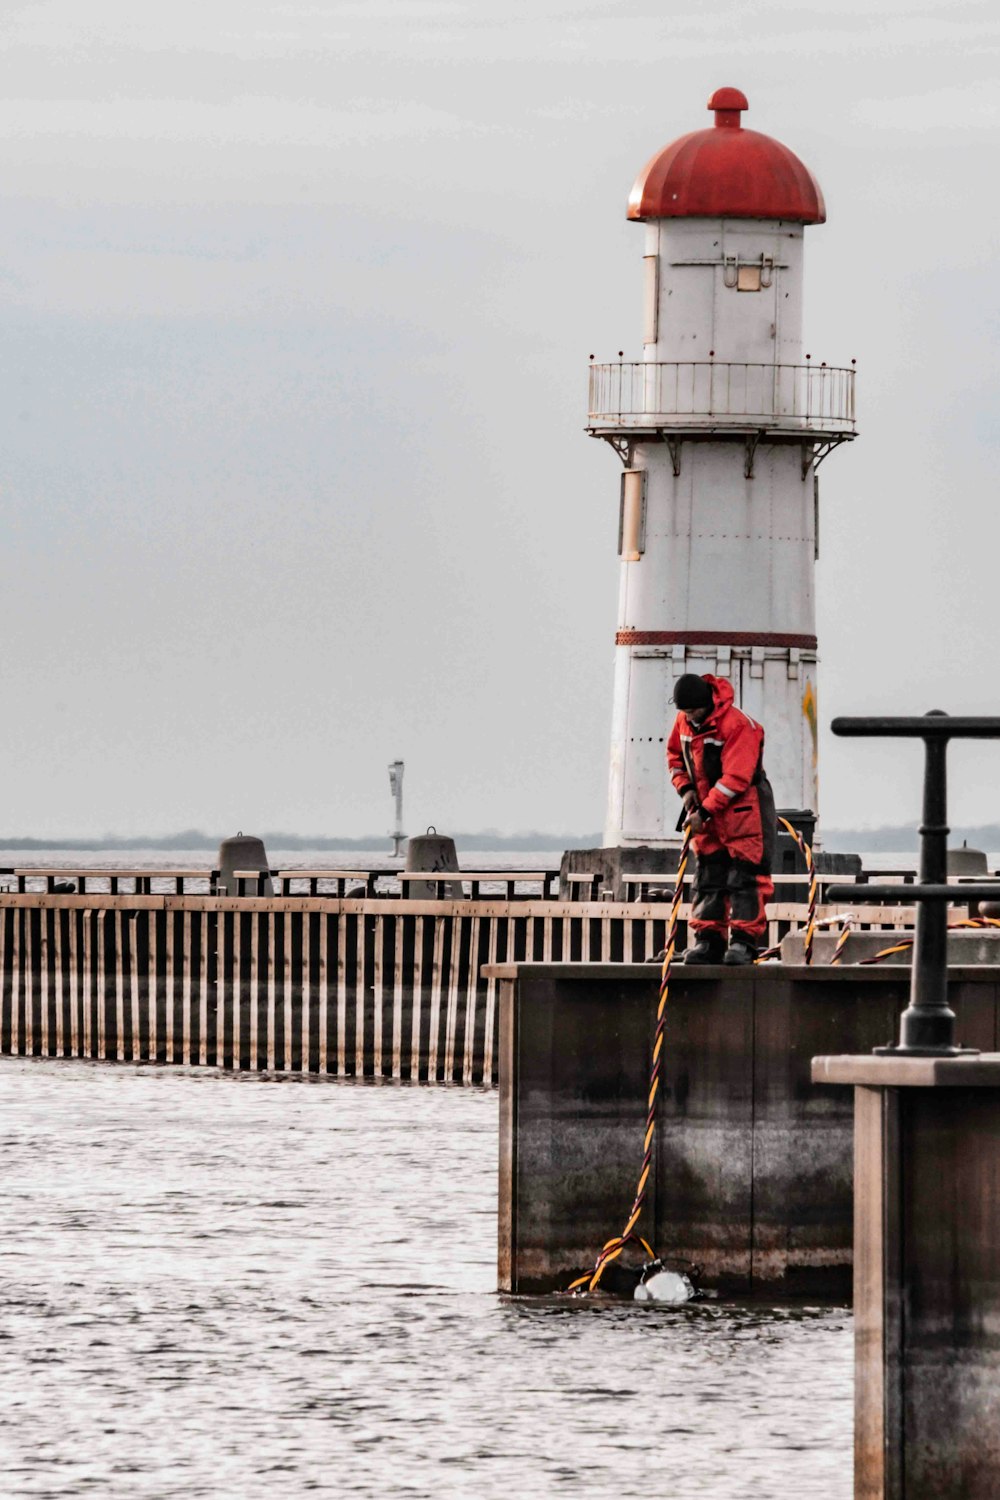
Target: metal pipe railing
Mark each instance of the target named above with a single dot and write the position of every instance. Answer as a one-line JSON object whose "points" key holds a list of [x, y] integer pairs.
{"points": [[710, 393]]}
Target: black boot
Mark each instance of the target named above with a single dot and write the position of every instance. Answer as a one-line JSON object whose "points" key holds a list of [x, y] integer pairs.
{"points": [[742, 950], [709, 949]]}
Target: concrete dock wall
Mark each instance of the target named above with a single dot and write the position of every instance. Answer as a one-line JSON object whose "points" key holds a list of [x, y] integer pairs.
{"points": [[753, 1166]]}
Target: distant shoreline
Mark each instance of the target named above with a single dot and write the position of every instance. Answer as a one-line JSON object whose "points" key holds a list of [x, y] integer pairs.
{"points": [[899, 838], [376, 842]]}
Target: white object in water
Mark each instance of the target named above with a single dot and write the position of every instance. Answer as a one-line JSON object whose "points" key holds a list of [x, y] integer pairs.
{"points": [[665, 1286]]}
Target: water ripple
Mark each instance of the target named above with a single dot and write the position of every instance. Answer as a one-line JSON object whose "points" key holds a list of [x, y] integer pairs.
{"points": [[212, 1287]]}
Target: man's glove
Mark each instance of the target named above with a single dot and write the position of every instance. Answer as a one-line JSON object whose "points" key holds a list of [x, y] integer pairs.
{"points": [[690, 800], [691, 815]]}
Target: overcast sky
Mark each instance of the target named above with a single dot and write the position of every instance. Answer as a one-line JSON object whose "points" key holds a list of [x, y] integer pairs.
{"points": [[296, 301]]}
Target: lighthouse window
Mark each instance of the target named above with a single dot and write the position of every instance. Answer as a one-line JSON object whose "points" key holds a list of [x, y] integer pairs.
{"points": [[632, 516], [651, 287], [748, 279]]}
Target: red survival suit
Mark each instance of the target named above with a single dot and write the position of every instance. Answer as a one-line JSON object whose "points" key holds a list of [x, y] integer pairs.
{"points": [[721, 761]]}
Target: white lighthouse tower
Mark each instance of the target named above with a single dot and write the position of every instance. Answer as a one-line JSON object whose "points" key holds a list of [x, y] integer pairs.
{"points": [[721, 428]]}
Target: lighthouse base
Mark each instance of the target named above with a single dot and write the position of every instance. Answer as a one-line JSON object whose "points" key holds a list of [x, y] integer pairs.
{"points": [[614, 871], [601, 874]]}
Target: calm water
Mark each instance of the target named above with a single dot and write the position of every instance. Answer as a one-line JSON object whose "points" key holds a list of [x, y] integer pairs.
{"points": [[234, 1287], [281, 859]]}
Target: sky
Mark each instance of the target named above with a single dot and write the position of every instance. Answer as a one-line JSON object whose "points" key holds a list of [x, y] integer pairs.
{"points": [[296, 304]]}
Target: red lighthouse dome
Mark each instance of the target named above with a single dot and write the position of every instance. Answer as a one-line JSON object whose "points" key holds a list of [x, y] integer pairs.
{"points": [[727, 173]]}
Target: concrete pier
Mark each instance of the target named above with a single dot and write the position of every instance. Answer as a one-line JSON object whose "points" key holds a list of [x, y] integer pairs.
{"points": [[927, 1273], [754, 1165]]}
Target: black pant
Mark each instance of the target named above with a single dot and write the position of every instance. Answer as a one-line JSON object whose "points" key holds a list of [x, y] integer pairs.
{"points": [[729, 893]]}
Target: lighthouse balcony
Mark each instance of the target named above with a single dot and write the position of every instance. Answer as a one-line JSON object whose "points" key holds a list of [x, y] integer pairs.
{"points": [[809, 401]]}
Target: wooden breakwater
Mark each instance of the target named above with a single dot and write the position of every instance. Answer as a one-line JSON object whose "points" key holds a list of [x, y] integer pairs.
{"points": [[376, 988], [364, 987]]}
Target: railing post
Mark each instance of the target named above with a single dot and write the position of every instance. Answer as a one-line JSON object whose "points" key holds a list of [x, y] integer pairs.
{"points": [[929, 997]]}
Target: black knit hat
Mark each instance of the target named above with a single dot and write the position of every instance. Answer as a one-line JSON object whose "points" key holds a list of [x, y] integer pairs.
{"points": [[691, 691]]}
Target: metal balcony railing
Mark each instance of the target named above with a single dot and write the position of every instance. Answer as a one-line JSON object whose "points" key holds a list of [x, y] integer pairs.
{"points": [[713, 394]]}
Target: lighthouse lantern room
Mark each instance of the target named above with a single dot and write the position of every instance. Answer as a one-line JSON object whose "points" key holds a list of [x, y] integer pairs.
{"points": [[721, 427]]}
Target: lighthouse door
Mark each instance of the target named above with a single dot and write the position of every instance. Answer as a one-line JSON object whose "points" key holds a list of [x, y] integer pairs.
{"points": [[648, 720]]}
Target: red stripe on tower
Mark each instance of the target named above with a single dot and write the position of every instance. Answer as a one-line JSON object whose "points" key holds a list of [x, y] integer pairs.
{"points": [[714, 638]]}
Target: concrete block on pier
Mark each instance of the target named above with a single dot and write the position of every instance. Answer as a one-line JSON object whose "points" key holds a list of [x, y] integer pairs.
{"points": [[434, 853], [242, 852]]}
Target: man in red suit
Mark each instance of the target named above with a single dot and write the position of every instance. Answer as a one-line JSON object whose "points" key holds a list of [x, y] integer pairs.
{"points": [[715, 755]]}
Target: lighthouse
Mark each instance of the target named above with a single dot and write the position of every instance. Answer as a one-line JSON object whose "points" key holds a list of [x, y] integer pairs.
{"points": [[720, 428]]}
